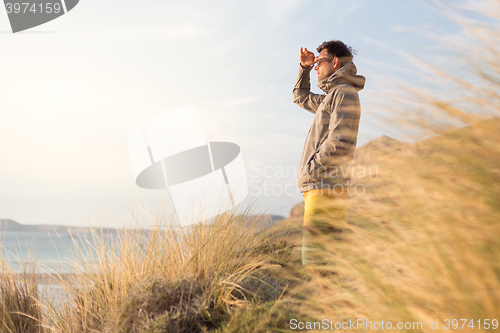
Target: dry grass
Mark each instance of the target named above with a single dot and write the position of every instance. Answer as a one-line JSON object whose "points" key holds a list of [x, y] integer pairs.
{"points": [[196, 279], [423, 239], [20, 308], [164, 280]]}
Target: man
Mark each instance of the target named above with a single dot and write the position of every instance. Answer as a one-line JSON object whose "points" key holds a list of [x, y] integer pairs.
{"points": [[324, 167]]}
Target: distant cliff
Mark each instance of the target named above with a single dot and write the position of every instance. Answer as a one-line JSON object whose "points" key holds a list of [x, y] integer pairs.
{"points": [[11, 225], [258, 222]]}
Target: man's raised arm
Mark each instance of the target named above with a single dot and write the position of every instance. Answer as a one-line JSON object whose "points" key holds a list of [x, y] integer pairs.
{"points": [[302, 90]]}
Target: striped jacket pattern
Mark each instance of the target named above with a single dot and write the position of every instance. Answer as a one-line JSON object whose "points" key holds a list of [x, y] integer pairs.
{"points": [[331, 141]]}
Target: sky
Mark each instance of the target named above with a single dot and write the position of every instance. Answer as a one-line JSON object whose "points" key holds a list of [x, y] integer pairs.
{"points": [[74, 88]]}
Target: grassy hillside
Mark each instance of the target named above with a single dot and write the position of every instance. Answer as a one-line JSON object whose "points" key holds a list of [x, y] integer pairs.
{"points": [[421, 245]]}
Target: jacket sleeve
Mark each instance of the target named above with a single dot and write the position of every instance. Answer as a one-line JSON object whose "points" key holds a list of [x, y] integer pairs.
{"points": [[339, 146], [302, 91]]}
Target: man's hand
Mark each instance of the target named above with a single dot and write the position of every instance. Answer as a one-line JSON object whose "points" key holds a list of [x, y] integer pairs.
{"points": [[307, 58]]}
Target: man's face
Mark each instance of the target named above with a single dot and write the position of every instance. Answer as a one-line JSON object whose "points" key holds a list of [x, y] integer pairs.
{"points": [[327, 64]]}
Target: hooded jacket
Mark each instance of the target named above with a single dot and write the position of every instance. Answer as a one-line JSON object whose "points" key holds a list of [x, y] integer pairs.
{"points": [[331, 141]]}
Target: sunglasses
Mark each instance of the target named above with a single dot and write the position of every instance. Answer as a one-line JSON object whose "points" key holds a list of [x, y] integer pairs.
{"points": [[318, 63]]}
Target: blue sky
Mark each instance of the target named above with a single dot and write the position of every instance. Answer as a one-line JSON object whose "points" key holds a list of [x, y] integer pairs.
{"points": [[74, 88]]}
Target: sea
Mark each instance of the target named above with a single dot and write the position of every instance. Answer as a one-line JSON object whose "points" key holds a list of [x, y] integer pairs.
{"points": [[44, 252]]}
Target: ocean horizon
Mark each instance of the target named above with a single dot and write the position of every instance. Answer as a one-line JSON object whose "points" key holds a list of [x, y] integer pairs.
{"points": [[44, 252]]}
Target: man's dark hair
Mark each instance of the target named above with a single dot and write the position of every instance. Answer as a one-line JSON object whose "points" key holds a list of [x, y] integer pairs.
{"points": [[338, 49]]}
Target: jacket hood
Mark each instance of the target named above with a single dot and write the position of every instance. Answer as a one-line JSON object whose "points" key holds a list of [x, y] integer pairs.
{"points": [[345, 75]]}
